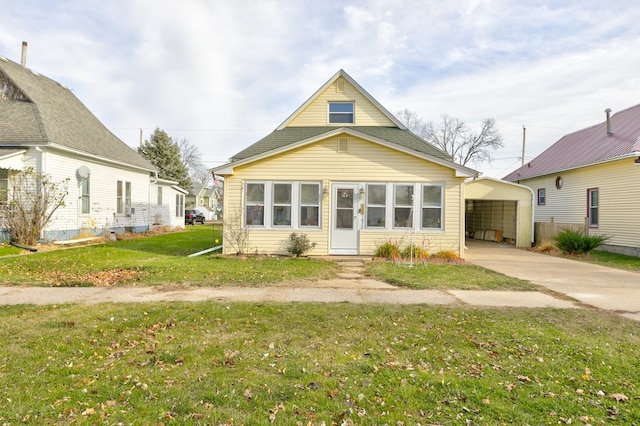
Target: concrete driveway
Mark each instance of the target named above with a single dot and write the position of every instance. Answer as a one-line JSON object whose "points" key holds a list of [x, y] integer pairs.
{"points": [[604, 288]]}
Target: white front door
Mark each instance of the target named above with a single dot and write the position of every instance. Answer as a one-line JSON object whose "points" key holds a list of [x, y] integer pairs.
{"points": [[344, 219]]}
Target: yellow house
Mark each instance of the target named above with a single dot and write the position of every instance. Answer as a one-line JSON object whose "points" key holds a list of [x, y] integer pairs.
{"points": [[346, 173], [587, 181]]}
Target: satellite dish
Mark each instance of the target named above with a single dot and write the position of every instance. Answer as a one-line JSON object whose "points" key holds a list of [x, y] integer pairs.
{"points": [[83, 173]]}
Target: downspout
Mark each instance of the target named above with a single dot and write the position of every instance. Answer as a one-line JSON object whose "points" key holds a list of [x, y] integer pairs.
{"points": [[154, 179]]}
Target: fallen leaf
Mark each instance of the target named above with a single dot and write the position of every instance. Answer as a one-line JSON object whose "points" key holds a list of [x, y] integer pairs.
{"points": [[618, 397]]}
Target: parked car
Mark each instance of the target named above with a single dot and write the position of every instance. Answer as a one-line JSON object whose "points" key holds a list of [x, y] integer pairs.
{"points": [[193, 217]]}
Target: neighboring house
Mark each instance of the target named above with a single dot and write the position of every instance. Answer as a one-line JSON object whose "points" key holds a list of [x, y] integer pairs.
{"points": [[588, 179], [44, 126], [205, 199], [345, 172]]}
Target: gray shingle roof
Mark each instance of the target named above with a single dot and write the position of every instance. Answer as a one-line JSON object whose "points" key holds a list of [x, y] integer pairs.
{"points": [[48, 113], [289, 135], [587, 146]]}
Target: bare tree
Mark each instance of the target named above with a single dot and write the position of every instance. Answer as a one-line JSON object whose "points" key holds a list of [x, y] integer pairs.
{"points": [[33, 200], [454, 136], [413, 122], [201, 176]]}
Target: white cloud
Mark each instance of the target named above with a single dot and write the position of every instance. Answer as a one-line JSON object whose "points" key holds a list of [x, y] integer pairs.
{"points": [[224, 74]]}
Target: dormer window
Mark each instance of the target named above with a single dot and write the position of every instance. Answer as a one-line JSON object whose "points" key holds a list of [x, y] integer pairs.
{"points": [[341, 113]]}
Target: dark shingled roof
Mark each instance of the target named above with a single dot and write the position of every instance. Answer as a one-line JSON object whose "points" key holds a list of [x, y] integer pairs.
{"points": [[587, 146], [289, 135], [36, 111]]}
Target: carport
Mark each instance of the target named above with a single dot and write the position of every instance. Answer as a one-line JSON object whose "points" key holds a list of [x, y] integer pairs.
{"points": [[500, 211]]}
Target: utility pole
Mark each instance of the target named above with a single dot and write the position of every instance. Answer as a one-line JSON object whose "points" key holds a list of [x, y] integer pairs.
{"points": [[141, 138], [524, 137]]}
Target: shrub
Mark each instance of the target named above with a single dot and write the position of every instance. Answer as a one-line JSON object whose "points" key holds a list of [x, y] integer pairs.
{"points": [[299, 244], [413, 250], [387, 250], [575, 242], [447, 255]]}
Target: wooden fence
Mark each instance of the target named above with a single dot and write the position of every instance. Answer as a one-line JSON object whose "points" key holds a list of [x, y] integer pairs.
{"points": [[545, 231]]}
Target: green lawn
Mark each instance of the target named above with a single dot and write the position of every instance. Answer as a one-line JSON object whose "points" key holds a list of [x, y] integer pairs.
{"points": [[160, 259], [445, 276], [313, 364], [300, 363]]}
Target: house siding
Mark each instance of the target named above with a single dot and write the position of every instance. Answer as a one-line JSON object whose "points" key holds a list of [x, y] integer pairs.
{"points": [[365, 162], [619, 199], [366, 113]]}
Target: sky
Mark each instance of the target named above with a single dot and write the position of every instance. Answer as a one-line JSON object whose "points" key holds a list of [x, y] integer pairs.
{"points": [[225, 73]]}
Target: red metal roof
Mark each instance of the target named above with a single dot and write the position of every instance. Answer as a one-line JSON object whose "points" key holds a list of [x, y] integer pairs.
{"points": [[587, 146]]}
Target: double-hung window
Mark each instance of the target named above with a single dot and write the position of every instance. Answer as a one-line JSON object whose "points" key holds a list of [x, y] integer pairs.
{"points": [[123, 197], [341, 112], [542, 196], [309, 204], [4, 186], [376, 205], [432, 206], [274, 205], [85, 195], [592, 212], [254, 204], [179, 205], [281, 204], [403, 206]]}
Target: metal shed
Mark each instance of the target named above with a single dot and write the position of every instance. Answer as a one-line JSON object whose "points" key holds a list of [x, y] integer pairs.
{"points": [[497, 210]]}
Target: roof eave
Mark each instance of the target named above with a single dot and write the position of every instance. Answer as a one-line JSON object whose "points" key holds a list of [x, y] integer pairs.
{"points": [[99, 158], [461, 171], [633, 154]]}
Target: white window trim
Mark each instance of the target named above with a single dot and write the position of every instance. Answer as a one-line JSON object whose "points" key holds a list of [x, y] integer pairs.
{"points": [[296, 205], [266, 214], [86, 196], [412, 208], [441, 206], [384, 206], [299, 205], [329, 113], [590, 206]]}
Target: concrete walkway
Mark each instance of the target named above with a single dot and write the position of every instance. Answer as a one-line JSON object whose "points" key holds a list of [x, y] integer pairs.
{"points": [[591, 285], [588, 285]]}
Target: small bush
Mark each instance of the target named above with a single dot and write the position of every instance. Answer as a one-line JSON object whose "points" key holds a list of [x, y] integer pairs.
{"points": [[387, 250], [413, 250], [575, 242], [447, 255], [299, 244]]}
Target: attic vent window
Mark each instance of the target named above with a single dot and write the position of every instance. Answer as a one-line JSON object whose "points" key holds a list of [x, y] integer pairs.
{"points": [[343, 144], [341, 112], [340, 86]]}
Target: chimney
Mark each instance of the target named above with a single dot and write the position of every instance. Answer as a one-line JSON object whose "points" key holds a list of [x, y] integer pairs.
{"points": [[608, 111], [23, 59]]}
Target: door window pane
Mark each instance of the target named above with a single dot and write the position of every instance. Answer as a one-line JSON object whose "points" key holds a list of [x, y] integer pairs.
{"points": [[344, 208]]}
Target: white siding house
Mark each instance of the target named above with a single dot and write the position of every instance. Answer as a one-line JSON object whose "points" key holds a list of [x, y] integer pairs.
{"points": [[110, 187]]}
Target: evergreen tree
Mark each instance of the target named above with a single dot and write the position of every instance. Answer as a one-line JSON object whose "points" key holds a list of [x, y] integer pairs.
{"points": [[164, 153]]}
